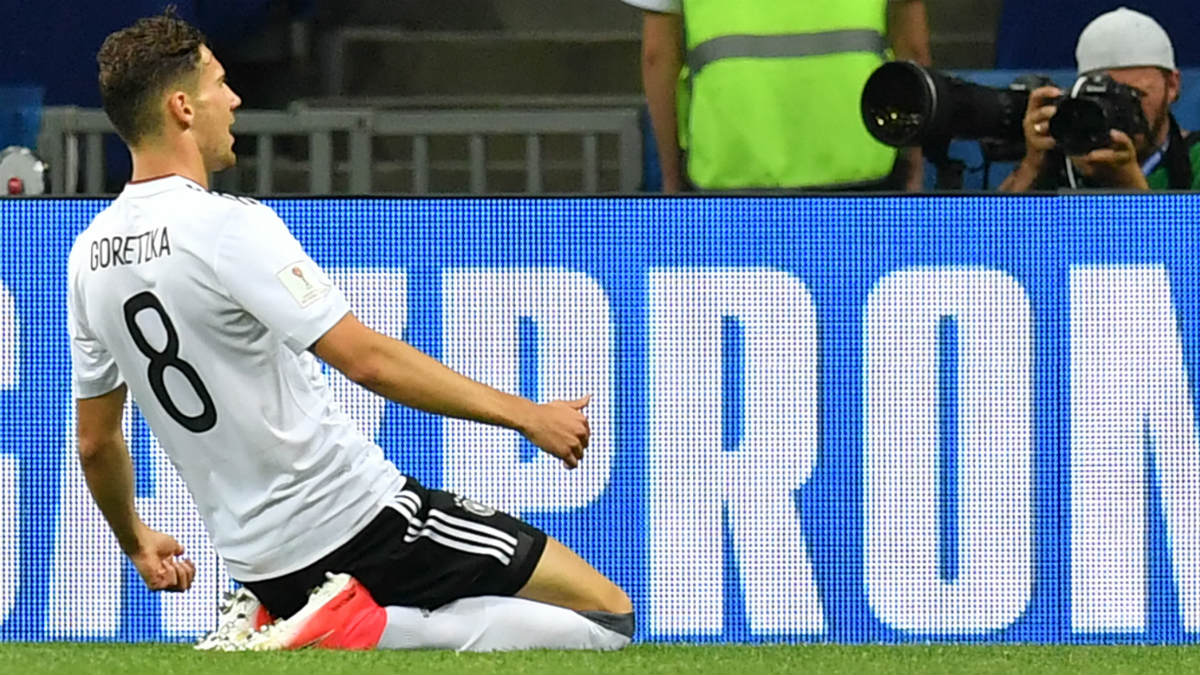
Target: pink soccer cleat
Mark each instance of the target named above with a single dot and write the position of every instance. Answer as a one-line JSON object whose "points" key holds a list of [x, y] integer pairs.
{"points": [[340, 614]]}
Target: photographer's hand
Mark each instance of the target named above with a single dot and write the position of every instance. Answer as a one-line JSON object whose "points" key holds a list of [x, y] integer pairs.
{"points": [[1036, 124], [1115, 166], [1038, 140]]}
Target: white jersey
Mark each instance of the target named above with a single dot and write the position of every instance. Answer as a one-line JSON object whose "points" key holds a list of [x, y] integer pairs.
{"points": [[205, 305]]}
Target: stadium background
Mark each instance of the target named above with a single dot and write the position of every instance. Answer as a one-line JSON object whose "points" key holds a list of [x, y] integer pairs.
{"points": [[778, 518]]}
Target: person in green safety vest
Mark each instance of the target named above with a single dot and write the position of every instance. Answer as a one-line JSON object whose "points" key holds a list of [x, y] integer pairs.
{"points": [[1134, 50], [762, 94]]}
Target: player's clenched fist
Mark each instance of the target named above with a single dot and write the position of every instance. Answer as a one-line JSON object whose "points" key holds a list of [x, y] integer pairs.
{"points": [[560, 428]]}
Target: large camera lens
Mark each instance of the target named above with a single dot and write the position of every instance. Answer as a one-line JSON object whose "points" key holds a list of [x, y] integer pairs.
{"points": [[904, 104], [898, 103]]}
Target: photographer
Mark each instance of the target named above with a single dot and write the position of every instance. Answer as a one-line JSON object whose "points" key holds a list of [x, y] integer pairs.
{"points": [[1133, 50]]}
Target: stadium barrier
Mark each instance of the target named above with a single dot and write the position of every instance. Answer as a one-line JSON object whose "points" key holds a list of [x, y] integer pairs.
{"points": [[347, 142], [842, 419]]}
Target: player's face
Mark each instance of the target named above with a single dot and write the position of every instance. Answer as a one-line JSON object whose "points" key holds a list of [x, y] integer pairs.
{"points": [[215, 103], [1159, 90]]}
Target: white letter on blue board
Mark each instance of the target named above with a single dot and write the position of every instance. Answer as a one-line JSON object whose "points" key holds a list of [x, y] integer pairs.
{"points": [[901, 461], [89, 605], [10, 473], [692, 479], [378, 298], [481, 313], [1130, 395], [83, 605]]}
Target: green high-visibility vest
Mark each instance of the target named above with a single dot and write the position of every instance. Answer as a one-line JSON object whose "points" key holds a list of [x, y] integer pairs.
{"points": [[773, 92]]}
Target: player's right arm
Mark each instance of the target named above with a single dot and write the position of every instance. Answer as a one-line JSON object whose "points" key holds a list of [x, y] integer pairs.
{"points": [[100, 394], [108, 470], [402, 373]]}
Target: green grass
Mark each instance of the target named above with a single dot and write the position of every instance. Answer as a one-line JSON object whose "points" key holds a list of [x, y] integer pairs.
{"points": [[159, 659]]}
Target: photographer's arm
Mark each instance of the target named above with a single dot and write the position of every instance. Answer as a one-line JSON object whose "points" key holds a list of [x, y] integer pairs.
{"points": [[1023, 178]]}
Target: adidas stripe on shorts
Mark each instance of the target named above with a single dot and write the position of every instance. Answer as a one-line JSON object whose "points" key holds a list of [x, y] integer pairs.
{"points": [[426, 548]]}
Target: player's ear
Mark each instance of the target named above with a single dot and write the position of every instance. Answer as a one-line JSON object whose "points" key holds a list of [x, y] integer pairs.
{"points": [[180, 108]]}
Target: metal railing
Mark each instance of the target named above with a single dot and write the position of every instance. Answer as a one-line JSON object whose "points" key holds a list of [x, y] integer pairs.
{"points": [[72, 143]]}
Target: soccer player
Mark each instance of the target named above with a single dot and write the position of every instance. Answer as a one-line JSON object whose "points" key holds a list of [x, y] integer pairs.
{"points": [[209, 312]]}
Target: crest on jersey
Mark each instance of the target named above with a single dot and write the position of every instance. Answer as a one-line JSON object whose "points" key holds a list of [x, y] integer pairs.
{"points": [[304, 282], [478, 508]]}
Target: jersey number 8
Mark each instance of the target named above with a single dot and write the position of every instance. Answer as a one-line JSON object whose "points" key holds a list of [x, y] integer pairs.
{"points": [[168, 358]]}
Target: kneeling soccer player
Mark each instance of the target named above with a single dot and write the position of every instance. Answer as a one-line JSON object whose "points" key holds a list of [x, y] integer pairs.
{"points": [[209, 312]]}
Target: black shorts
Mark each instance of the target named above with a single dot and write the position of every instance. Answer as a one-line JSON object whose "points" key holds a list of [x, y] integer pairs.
{"points": [[425, 549]]}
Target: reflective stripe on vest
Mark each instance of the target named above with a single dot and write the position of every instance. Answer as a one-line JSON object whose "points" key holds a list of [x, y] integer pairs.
{"points": [[783, 46]]}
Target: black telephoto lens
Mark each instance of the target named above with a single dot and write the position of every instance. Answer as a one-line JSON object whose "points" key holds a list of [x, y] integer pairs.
{"points": [[898, 103], [905, 104]]}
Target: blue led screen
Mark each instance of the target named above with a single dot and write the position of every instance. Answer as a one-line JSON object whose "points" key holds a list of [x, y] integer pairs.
{"points": [[821, 419]]}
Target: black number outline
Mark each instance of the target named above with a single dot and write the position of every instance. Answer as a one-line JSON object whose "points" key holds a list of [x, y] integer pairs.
{"points": [[167, 358]]}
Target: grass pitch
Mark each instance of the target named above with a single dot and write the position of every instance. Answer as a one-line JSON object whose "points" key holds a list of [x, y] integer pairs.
{"points": [[161, 659]]}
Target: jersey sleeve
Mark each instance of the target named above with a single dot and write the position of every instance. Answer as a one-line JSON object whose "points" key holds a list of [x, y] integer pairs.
{"points": [[664, 6], [267, 272], [93, 369]]}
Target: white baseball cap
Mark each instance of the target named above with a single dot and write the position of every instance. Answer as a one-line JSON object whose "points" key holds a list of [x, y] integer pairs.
{"points": [[1123, 38]]}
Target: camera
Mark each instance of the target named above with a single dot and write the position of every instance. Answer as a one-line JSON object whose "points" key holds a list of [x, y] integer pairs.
{"points": [[904, 104], [1096, 104]]}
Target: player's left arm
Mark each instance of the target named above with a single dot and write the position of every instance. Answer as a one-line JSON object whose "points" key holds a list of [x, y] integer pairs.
{"points": [[265, 269], [401, 373], [108, 470]]}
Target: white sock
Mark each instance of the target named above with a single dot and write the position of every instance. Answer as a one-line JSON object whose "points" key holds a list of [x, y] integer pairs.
{"points": [[493, 623]]}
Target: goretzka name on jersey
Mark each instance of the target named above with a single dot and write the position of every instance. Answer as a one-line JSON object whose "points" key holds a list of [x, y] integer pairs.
{"points": [[133, 250]]}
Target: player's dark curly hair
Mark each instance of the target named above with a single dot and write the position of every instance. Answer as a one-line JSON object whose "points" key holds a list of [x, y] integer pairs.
{"points": [[139, 63]]}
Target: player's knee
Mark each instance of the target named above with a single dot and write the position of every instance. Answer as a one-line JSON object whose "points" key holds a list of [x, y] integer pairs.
{"points": [[601, 596], [616, 601]]}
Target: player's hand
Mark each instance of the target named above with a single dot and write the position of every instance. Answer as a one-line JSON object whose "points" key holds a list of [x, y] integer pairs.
{"points": [[157, 560], [561, 429], [1115, 166]]}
